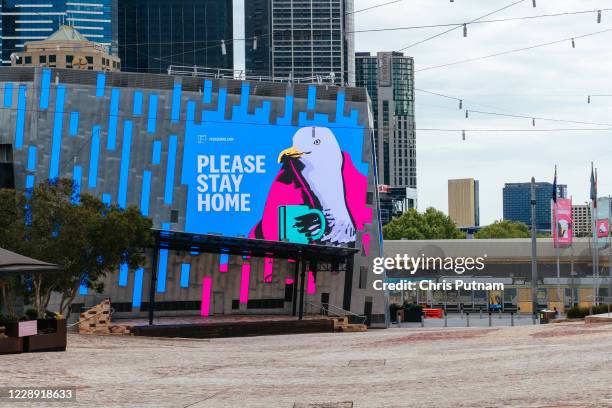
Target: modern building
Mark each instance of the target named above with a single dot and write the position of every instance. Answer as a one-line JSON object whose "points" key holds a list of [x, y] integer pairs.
{"points": [[394, 201], [463, 202], [298, 39], [161, 143], [581, 216], [66, 48], [35, 20], [389, 79], [517, 203], [155, 34]]}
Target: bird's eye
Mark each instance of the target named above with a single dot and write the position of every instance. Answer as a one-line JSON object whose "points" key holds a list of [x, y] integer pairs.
{"points": [[317, 142]]}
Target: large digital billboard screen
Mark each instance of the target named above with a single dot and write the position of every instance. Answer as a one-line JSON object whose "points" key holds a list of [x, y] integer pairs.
{"points": [[302, 184]]}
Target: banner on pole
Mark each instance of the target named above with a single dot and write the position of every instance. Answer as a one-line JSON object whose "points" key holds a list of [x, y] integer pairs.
{"points": [[603, 228], [562, 217], [602, 222]]}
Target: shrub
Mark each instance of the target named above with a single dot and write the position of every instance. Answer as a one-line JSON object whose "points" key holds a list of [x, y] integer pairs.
{"points": [[393, 308], [580, 312], [31, 314], [53, 315]]}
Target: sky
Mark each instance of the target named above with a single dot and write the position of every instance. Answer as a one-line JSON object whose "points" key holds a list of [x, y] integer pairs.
{"points": [[548, 82]]}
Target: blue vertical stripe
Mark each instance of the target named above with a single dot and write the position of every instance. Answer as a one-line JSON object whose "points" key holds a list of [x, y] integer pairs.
{"points": [[106, 198], [29, 181], [45, 89], [125, 163], [137, 295], [312, 96], [113, 119], [156, 159], [176, 103], [74, 123], [100, 83], [207, 91], [8, 95], [137, 102], [152, 117], [185, 275], [170, 170], [77, 174], [31, 158], [123, 274], [92, 179], [340, 105], [57, 131], [146, 193], [83, 289], [161, 270], [21, 115]]}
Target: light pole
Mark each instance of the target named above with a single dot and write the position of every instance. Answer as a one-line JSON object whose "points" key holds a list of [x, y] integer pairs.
{"points": [[534, 253]]}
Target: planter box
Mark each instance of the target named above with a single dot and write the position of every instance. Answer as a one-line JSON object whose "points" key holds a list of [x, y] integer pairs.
{"points": [[55, 341], [11, 345]]}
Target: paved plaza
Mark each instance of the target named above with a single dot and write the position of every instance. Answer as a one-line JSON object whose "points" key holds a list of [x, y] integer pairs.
{"points": [[554, 365]]}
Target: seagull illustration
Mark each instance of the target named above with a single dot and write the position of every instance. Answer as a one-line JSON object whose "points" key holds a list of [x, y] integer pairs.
{"points": [[317, 149]]}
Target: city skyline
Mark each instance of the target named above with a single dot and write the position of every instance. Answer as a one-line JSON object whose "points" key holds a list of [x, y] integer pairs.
{"points": [[548, 82]]}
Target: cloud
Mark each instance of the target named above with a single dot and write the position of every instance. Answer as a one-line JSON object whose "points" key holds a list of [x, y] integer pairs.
{"points": [[551, 81]]}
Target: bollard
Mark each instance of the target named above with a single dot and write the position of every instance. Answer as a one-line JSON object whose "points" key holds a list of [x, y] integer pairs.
{"points": [[518, 312], [461, 310], [533, 317], [422, 319], [489, 319], [467, 319], [499, 313], [511, 318], [480, 312], [445, 319]]}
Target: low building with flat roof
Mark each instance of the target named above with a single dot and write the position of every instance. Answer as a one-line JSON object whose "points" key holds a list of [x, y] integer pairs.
{"points": [[507, 261], [66, 48]]}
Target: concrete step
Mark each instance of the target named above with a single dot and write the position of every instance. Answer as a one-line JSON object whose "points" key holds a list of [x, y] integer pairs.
{"points": [[352, 328]]}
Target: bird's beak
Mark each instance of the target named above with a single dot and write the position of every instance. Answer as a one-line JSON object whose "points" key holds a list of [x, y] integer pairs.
{"points": [[291, 152]]}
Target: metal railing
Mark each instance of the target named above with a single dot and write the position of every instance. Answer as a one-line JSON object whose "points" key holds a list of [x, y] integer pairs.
{"points": [[334, 310], [217, 73]]}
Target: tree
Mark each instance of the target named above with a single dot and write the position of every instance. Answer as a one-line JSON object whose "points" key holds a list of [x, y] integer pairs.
{"points": [[432, 224], [504, 229], [84, 236]]}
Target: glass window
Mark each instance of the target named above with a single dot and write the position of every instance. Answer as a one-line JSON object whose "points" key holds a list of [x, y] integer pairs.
{"points": [[89, 59], [28, 60], [42, 59], [52, 58], [69, 59]]}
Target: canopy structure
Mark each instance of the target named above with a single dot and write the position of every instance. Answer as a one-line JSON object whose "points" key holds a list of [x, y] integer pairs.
{"points": [[12, 263], [184, 241], [318, 257]]}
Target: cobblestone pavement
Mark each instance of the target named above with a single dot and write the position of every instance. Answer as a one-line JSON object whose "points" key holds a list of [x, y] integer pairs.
{"points": [[554, 365]]}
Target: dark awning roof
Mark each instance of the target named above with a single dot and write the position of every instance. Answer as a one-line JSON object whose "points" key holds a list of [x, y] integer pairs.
{"points": [[12, 263], [212, 243]]}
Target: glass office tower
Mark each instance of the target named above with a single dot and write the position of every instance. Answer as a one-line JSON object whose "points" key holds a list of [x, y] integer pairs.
{"points": [[517, 203], [37, 19], [300, 39], [154, 34], [389, 80]]}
